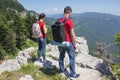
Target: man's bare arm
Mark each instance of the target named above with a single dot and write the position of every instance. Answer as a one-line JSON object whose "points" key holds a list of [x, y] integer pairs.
{"points": [[72, 33]]}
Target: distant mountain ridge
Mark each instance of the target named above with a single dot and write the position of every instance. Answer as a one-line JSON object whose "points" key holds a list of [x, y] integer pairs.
{"points": [[85, 14], [95, 27], [33, 13], [11, 4]]}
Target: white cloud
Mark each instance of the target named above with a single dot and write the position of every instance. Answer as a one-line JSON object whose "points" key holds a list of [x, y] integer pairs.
{"points": [[55, 9], [47, 11]]}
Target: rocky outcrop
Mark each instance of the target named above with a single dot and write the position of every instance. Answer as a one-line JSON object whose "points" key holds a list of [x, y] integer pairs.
{"points": [[89, 67], [82, 45], [10, 65], [86, 65], [22, 58], [88, 74], [88, 61]]}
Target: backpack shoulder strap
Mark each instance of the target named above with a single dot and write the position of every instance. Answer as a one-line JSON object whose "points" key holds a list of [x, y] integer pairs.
{"points": [[62, 20], [38, 22]]}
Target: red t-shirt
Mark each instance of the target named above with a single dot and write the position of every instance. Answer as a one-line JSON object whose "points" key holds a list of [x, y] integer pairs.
{"points": [[68, 25], [42, 29]]}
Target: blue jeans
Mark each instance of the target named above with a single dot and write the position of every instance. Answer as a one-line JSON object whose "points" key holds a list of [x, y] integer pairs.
{"points": [[71, 52], [42, 46]]}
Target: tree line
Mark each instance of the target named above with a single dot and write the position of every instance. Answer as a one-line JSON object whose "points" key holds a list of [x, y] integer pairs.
{"points": [[13, 32], [15, 28]]}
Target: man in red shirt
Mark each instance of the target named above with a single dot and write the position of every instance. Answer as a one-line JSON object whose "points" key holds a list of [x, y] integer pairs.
{"points": [[70, 37]]}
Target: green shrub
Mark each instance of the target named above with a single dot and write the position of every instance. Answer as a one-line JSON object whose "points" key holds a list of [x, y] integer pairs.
{"points": [[29, 43], [2, 53], [118, 72]]}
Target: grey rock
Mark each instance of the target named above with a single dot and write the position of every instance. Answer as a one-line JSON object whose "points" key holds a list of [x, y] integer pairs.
{"points": [[88, 61], [22, 60], [87, 74], [24, 57], [54, 56], [38, 63], [24, 53], [26, 77], [46, 64], [10, 65], [54, 62], [52, 48], [48, 47], [82, 45], [87, 66], [105, 70], [30, 50]]}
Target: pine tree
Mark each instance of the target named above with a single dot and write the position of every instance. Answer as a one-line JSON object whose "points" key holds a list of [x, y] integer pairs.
{"points": [[20, 31], [10, 44], [29, 20], [7, 39], [2, 52]]}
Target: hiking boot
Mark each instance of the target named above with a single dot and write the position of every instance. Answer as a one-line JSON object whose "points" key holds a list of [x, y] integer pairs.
{"points": [[67, 74], [39, 60], [75, 75], [44, 61], [47, 62]]}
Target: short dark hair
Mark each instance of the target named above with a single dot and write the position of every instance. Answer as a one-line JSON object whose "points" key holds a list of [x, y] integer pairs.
{"points": [[67, 9], [41, 16]]}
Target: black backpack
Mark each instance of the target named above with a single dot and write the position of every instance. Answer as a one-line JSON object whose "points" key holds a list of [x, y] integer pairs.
{"points": [[58, 31]]}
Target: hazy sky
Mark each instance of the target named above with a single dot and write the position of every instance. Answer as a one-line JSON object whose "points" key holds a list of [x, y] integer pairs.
{"points": [[78, 6]]}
